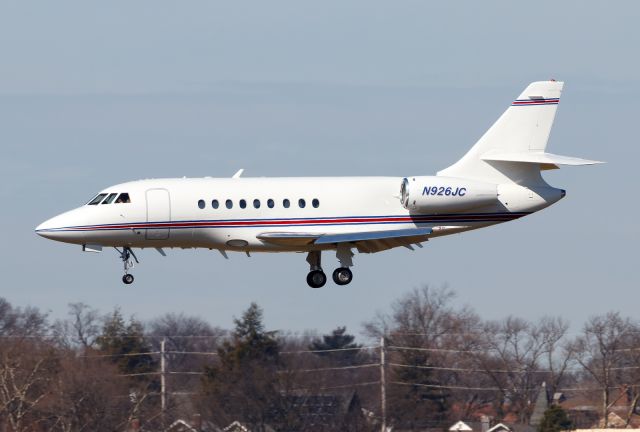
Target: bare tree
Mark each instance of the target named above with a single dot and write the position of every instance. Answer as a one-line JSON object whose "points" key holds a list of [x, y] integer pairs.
{"points": [[21, 323], [602, 350], [189, 342], [558, 351], [87, 395], [630, 374], [27, 365], [518, 356], [426, 335], [81, 329]]}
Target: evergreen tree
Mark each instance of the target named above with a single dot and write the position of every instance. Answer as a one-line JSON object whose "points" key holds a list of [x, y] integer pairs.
{"points": [[337, 340], [120, 339], [244, 384], [555, 420], [250, 340]]}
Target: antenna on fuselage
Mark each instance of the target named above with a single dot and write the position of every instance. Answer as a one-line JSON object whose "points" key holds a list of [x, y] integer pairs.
{"points": [[238, 174]]}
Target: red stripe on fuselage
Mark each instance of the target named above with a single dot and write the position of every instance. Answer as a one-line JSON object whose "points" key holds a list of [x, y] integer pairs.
{"points": [[299, 222]]}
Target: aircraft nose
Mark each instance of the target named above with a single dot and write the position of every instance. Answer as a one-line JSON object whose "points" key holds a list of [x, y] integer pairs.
{"points": [[60, 227], [50, 228]]}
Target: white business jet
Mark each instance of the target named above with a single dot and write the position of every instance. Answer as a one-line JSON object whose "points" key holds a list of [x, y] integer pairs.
{"points": [[498, 180]]}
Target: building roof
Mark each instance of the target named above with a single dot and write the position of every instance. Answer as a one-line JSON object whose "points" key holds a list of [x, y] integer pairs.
{"points": [[461, 426], [500, 427]]}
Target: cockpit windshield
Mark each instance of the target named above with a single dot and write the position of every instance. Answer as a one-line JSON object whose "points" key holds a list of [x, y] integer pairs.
{"points": [[97, 199], [123, 199], [110, 198]]}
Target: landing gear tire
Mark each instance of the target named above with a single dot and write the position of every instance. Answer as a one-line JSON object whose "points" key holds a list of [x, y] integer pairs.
{"points": [[342, 276], [128, 257], [316, 279]]}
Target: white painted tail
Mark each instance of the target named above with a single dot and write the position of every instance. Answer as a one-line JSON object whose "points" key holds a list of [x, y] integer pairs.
{"points": [[513, 149]]}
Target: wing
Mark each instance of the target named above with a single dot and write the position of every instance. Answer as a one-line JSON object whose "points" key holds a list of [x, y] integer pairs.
{"points": [[365, 242]]}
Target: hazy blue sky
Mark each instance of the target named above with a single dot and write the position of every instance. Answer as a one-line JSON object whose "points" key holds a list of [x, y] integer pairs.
{"points": [[97, 93]]}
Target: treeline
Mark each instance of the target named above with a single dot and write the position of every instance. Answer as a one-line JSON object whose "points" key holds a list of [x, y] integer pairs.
{"points": [[442, 363]]}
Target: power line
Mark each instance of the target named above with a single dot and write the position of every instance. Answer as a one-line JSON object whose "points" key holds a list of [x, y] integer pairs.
{"points": [[120, 355], [437, 386], [472, 370], [568, 389], [330, 350], [333, 368], [434, 349]]}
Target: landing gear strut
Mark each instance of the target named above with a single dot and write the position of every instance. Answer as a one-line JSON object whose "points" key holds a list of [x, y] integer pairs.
{"points": [[316, 277], [341, 276], [126, 255]]}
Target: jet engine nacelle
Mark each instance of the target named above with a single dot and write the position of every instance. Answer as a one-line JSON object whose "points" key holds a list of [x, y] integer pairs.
{"points": [[444, 194]]}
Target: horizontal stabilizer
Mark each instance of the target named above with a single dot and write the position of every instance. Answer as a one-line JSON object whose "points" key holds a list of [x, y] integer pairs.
{"points": [[541, 158]]}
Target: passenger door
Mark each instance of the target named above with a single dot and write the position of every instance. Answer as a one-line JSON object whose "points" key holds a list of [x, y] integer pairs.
{"points": [[158, 210]]}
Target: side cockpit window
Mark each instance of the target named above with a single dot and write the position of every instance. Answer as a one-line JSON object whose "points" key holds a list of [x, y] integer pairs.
{"points": [[123, 199], [97, 199], [110, 198]]}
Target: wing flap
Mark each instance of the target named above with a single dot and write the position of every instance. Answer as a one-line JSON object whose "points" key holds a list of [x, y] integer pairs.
{"points": [[289, 238], [372, 235], [364, 241]]}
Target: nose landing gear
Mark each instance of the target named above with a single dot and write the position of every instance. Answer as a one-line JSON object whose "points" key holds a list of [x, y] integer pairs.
{"points": [[126, 256]]}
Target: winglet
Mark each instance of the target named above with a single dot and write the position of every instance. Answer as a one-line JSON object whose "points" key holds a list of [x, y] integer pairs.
{"points": [[238, 174]]}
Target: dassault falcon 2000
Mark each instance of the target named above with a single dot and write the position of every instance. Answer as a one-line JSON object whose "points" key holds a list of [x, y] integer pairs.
{"points": [[497, 180]]}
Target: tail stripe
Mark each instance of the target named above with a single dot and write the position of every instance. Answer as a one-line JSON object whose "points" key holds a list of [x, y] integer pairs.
{"points": [[530, 102]]}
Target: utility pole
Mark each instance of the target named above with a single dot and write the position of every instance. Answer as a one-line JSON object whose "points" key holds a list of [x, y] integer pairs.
{"points": [[163, 377], [383, 390]]}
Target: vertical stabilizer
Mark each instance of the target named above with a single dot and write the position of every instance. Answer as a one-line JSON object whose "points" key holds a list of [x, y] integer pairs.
{"points": [[523, 130]]}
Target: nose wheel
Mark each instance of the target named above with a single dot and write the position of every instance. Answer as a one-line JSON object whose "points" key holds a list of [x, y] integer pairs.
{"points": [[128, 257]]}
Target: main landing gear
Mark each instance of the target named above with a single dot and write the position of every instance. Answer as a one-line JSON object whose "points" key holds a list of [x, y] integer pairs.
{"points": [[341, 276], [126, 255]]}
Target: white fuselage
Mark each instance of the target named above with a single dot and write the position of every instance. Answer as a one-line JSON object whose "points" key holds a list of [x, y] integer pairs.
{"points": [[497, 180], [167, 212]]}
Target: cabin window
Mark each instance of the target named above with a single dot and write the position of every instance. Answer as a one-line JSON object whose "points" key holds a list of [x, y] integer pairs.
{"points": [[97, 199], [270, 203], [301, 203], [315, 203], [243, 204], [201, 204], [110, 198], [229, 204], [215, 204], [256, 203], [123, 199], [285, 203]]}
